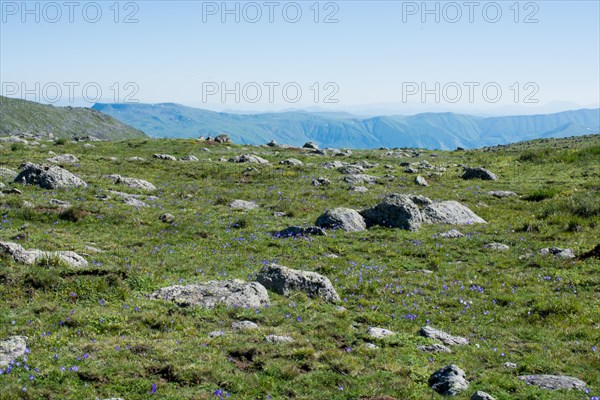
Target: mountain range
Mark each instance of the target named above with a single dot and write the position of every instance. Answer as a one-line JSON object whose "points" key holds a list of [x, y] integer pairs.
{"points": [[339, 129], [27, 117]]}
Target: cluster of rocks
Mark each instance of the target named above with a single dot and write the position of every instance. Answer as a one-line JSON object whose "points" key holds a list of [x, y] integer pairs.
{"points": [[222, 138], [33, 256]]}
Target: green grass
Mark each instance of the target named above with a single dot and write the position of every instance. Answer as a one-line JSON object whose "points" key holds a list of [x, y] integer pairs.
{"points": [[538, 312]]}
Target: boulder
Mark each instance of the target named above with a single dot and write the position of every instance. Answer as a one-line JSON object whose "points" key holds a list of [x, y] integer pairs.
{"points": [[450, 212], [285, 280], [167, 218], [395, 211], [48, 177], [554, 382], [321, 181], [358, 189], [12, 348], [64, 158], [342, 218], [333, 165], [447, 339], [478, 173], [223, 138], [135, 183], [30, 257], [557, 252], [210, 294], [448, 381], [248, 158], [310, 145], [300, 231]]}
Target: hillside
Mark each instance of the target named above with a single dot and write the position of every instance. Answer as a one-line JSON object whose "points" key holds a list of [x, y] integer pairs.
{"points": [[27, 117], [429, 130], [121, 286]]}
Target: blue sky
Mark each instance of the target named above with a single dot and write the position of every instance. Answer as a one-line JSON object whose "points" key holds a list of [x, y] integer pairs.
{"points": [[379, 56]]}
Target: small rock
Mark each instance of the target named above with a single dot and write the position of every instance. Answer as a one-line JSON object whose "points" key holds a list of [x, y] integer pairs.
{"points": [[243, 205], [321, 181], [358, 189], [351, 170], [434, 348], [30, 257], [450, 212], [248, 158], [451, 234], [12, 191], [510, 365], [135, 183], [291, 161], [371, 346], [244, 325], [301, 231], [167, 218], [279, 339], [501, 193], [380, 333], [558, 252], [189, 158], [310, 145], [361, 178], [479, 395], [12, 348], [215, 334], [60, 203], [64, 158], [419, 180], [496, 246], [342, 218], [165, 157], [554, 382], [478, 173], [447, 339], [448, 381]]}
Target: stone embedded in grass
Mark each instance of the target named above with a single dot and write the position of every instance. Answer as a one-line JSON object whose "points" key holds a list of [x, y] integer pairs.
{"points": [[451, 234], [496, 246], [333, 164], [135, 183], [133, 159], [411, 170], [12, 348], [321, 181], [8, 174], [60, 203], [30, 257], [395, 211], [358, 189], [243, 205], [501, 193], [448, 381], [291, 161], [279, 339], [510, 365], [557, 252], [310, 145], [479, 395], [165, 157], [167, 218], [342, 218], [63, 158], [450, 212], [434, 348], [284, 280], [419, 180], [361, 178], [371, 346], [189, 158], [478, 173], [300, 231], [244, 325], [248, 158], [447, 339], [380, 333], [351, 170], [210, 294], [554, 382], [48, 177], [214, 334]]}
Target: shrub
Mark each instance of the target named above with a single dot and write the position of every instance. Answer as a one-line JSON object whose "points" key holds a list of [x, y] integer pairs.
{"points": [[541, 194]]}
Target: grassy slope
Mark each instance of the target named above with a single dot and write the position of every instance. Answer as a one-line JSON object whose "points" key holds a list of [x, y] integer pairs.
{"points": [[541, 313], [20, 116]]}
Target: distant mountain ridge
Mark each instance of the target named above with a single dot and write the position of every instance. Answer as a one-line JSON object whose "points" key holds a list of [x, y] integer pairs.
{"points": [[427, 130], [27, 117]]}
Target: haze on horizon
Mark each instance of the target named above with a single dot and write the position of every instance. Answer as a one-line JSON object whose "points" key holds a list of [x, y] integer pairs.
{"points": [[367, 58]]}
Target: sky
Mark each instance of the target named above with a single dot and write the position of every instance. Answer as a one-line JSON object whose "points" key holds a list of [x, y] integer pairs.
{"points": [[386, 57]]}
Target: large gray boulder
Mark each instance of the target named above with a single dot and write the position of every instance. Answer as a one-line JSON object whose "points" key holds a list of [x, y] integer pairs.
{"points": [[135, 183], [450, 212], [248, 158], [554, 382], [12, 348], [48, 177], [30, 257], [449, 381], [342, 218], [479, 173], [284, 280], [64, 158], [395, 211], [210, 294], [447, 339]]}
